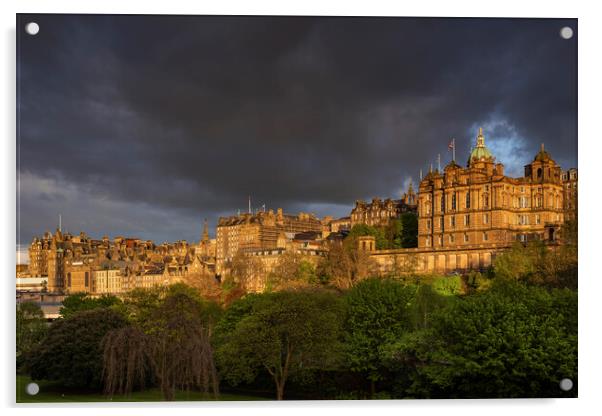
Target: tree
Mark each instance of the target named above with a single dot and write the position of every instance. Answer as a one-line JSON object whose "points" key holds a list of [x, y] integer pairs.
{"points": [[31, 329], [510, 341], [171, 343], [247, 271], [293, 270], [409, 230], [378, 233], [79, 302], [537, 264], [71, 352], [345, 265], [377, 313], [284, 333], [394, 234]]}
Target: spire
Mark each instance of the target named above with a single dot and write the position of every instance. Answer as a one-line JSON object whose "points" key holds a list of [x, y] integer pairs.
{"points": [[542, 149], [205, 232], [480, 138], [250, 204]]}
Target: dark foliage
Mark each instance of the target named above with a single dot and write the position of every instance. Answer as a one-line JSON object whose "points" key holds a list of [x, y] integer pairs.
{"points": [[71, 353]]}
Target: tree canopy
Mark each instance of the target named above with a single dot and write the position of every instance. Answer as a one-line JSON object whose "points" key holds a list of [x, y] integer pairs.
{"points": [[282, 333]]}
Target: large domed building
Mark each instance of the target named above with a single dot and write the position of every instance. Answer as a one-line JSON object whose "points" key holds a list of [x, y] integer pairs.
{"points": [[478, 205]]}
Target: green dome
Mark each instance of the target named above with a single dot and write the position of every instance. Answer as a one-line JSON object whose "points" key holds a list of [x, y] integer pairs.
{"points": [[480, 151]]}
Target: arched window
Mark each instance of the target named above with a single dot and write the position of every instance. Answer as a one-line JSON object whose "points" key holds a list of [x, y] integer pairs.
{"points": [[539, 173], [467, 200]]}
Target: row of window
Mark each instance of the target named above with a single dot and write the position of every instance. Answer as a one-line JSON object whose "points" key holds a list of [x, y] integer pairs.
{"points": [[452, 221], [452, 238]]}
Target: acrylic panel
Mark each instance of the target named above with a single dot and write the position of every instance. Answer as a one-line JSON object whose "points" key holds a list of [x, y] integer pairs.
{"points": [[295, 208]]}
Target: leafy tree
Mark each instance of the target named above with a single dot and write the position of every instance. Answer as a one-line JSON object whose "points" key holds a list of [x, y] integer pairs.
{"points": [[71, 352], [344, 265], [284, 333], [79, 302], [537, 264], [293, 270], [172, 343], [409, 230], [359, 230], [377, 313], [246, 271], [510, 341], [394, 234], [31, 329]]}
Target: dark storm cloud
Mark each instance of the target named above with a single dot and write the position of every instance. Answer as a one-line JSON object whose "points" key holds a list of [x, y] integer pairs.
{"points": [[187, 116]]}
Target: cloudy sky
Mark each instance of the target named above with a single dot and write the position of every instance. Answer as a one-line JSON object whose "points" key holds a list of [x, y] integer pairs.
{"points": [[144, 125]]}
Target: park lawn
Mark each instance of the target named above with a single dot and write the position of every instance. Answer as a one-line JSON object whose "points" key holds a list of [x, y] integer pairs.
{"points": [[52, 393]]}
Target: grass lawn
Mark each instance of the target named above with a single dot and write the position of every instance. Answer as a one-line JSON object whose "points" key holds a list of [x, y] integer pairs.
{"points": [[52, 393]]}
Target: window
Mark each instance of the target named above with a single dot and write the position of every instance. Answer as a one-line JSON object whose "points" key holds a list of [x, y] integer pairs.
{"points": [[440, 240], [486, 201], [453, 201], [428, 241], [452, 221], [451, 238], [86, 279], [443, 203], [467, 200], [467, 220], [485, 218], [428, 224], [466, 238], [537, 220], [485, 237], [441, 220]]}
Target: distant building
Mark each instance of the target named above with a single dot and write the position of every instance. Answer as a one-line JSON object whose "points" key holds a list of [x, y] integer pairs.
{"points": [[380, 212], [260, 231]]}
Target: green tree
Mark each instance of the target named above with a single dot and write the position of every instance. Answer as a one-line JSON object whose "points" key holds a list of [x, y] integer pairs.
{"points": [[377, 313], [394, 234], [79, 302], [537, 264], [378, 233], [510, 341], [169, 338], [31, 329], [286, 334], [71, 352], [409, 230]]}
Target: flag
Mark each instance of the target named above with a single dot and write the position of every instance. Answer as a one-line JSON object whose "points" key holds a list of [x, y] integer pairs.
{"points": [[451, 145]]}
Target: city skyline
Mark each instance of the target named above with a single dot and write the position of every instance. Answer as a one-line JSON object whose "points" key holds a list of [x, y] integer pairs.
{"points": [[123, 140]]}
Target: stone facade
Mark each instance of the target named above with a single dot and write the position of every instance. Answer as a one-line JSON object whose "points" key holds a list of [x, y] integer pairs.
{"points": [[260, 231], [479, 205], [569, 180], [78, 263], [380, 212]]}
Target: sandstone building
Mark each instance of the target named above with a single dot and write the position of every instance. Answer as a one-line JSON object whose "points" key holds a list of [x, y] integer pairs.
{"points": [[252, 232], [380, 212], [479, 205]]}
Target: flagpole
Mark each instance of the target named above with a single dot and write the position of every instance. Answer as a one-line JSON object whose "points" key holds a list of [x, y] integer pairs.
{"points": [[454, 150]]}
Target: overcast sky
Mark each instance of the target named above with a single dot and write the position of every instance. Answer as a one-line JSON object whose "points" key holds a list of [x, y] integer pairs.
{"points": [[143, 126]]}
